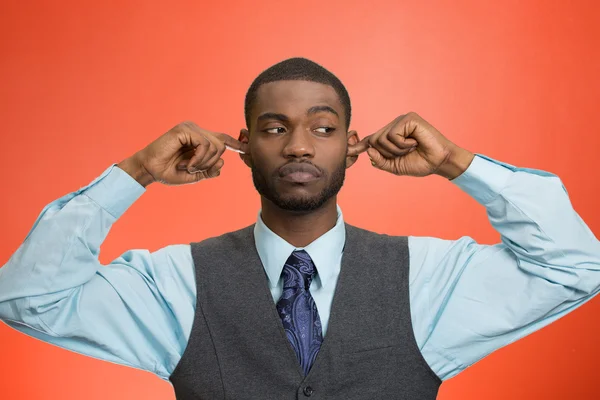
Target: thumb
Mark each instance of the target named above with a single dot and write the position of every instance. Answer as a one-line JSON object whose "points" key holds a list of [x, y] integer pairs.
{"points": [[377, 160]]}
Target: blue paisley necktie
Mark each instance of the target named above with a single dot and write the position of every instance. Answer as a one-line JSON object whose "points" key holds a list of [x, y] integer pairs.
{"points": [[298, 311]]}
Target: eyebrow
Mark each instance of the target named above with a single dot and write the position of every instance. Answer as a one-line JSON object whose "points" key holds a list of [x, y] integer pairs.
{"points": [[278, 117], [318, 109], [285, 118]]}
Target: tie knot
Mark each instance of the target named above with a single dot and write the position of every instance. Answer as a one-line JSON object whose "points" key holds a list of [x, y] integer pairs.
{"points": [[298, 270]]}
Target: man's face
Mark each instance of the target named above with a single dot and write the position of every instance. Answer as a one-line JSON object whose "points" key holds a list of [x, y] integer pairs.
{"points": [[298, 144]]}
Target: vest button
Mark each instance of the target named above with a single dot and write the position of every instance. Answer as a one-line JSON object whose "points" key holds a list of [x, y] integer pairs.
{"points": [[308, 391]]}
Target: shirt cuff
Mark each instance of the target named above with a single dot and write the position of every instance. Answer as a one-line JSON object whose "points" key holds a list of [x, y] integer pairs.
{"points": [[484, 179], [115, 191]]}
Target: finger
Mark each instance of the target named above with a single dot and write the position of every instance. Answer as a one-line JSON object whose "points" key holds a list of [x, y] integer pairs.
{"points": [[212, 156], [372, 138], [201, 153], [381, 141], [401, 141], [215, 170], [377, 159], [190, 134], [400, 133], [360, 147], [388, 126], [184, 159], [373, 141], [233, 144], [192, 177], [384, 143]]}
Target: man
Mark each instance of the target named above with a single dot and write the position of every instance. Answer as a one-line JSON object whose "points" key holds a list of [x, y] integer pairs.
{"points": [[301, 304]]}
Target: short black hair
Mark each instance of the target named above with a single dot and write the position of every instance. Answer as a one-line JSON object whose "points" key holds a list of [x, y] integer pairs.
{"points": [[297, 69]]}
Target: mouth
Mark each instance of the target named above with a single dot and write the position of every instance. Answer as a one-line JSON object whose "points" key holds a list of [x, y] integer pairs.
{"points": [[299, 173]]}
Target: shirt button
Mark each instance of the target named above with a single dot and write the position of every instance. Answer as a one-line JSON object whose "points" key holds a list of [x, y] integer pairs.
{"points": [[308, 391]]}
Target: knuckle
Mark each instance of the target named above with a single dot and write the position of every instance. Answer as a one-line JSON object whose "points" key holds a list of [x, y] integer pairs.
{"points": [[184, 126], [174, 131], [177, 129], [189, 124], [395, 138]]}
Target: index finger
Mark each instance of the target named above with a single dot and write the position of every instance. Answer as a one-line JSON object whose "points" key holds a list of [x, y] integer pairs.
{"points": [[233, 144], [360, 147]]}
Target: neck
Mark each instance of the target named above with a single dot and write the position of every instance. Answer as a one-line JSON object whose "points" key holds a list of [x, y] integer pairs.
{"points": [[299, 229]]}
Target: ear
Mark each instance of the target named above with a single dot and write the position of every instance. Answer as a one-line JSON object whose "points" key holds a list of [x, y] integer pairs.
{"points": [[353, 139], [245, 138]]}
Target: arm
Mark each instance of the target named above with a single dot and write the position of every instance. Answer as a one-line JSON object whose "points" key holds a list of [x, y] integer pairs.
{"points": [[136, 311], [468, 300], [474, 298]]}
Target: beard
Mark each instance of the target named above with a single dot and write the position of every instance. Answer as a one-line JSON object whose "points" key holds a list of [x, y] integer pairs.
{"points": [[265, 188]]}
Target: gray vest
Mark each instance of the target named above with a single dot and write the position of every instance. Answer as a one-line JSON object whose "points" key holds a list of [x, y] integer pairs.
{"points": [[238, 349]]}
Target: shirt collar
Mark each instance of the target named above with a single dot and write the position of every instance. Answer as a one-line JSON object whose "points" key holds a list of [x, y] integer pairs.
{"points": [[325, 251]]}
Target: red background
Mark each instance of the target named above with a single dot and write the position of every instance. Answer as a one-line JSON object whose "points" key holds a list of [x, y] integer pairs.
{"points": [[85, 84]]}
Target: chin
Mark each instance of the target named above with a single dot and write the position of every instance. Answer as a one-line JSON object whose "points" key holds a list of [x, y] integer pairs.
{"points": [[298, 198], [299, 203]]}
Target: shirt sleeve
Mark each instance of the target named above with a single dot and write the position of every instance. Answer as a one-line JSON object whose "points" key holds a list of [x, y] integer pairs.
{"points": [[135, 311], [468, 299]]}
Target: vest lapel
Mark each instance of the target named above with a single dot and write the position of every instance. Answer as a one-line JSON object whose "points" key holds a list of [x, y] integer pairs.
{"points": [[266, 302], [336, 329]]}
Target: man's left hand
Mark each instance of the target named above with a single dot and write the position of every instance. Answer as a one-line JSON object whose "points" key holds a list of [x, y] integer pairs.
{"points": [[410, 146]]}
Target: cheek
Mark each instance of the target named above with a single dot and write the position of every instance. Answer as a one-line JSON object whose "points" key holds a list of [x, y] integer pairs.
{"points": [[261, 158], [333, 154]]}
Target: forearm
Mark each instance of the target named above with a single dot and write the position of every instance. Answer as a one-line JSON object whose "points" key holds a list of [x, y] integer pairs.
{"points": [[474, 299], [61, 250], [534, 216]]}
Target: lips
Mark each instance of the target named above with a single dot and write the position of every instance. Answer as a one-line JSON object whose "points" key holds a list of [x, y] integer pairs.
{"points": [[299, 172]]}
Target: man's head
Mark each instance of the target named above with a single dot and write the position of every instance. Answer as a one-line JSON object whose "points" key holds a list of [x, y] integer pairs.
{"points": [[297, 114], [297, 69]]}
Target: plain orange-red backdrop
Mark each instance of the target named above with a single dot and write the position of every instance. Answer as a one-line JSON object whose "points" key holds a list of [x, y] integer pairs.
{"points": [[85, 84]]}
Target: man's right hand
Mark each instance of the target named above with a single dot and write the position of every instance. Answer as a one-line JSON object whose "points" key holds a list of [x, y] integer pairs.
{"points": [[185, 154]]}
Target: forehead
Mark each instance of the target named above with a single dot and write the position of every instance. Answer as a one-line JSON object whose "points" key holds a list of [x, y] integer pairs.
{"points": [[295, 97]]}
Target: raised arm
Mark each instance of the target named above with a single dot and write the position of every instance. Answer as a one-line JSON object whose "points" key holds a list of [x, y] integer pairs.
{"points": [[138, 309], [475, 299], [467, 299]]}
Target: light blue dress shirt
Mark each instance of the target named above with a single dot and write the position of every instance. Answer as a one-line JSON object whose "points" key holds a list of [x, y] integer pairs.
{"points": [[466, 299]]}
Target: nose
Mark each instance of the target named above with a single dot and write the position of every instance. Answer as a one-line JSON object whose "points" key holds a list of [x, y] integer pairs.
{"points": [[299, 144]]}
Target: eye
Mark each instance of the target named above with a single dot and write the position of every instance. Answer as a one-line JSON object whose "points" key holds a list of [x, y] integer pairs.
{"points": [[275, 130], [325, 129]]}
